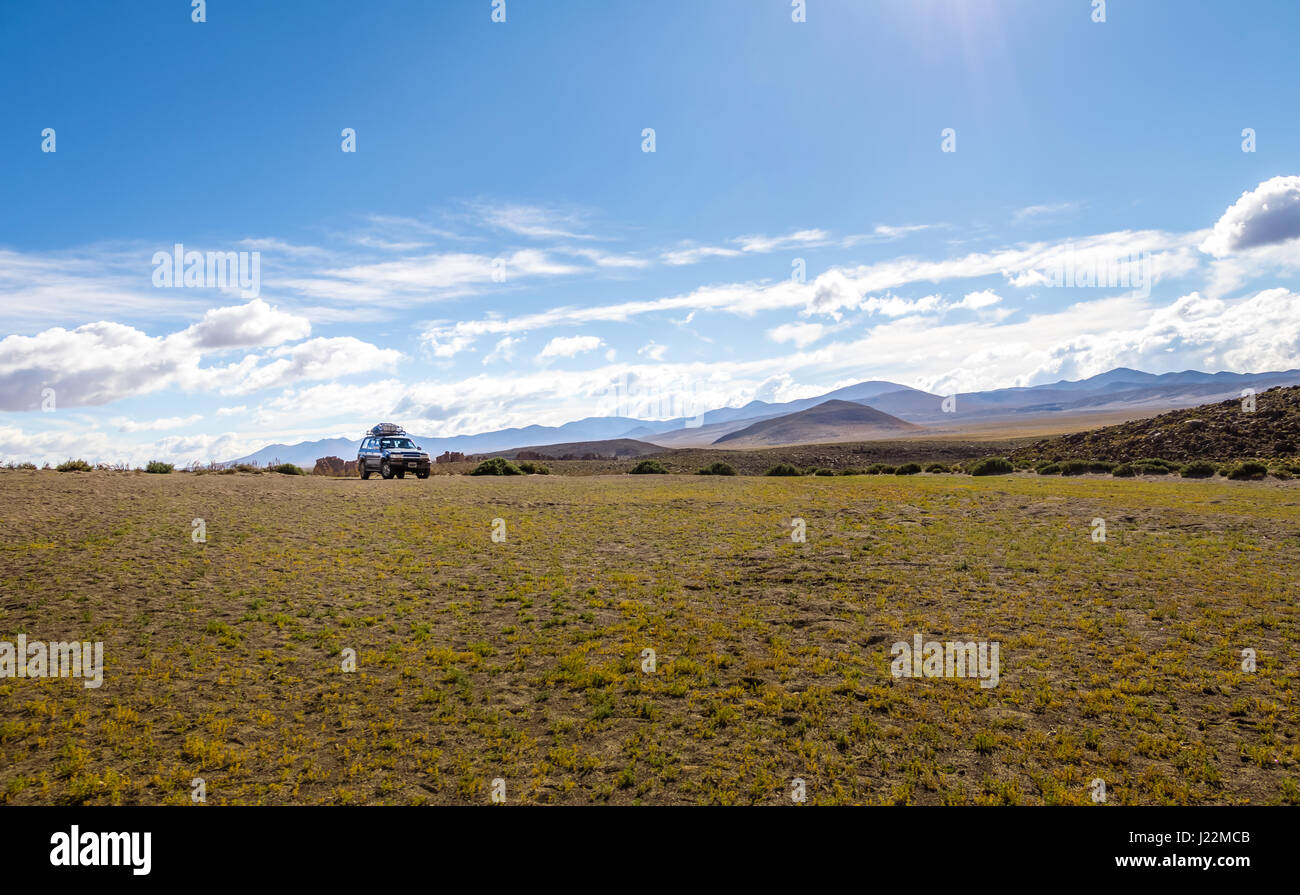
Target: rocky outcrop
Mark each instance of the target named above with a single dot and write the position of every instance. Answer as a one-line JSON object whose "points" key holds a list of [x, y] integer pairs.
{"points": [[335, 466], [1225, 431]]}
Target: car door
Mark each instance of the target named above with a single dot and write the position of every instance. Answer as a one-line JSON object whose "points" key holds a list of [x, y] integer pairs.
{"points": [[368, 455]]}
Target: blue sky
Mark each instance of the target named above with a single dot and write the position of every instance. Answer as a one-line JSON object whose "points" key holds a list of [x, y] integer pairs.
{"points": [[499, 250]]}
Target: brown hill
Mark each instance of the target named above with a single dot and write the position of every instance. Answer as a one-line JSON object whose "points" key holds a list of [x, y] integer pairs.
{"points": [[1222, 431], [829, 421]]}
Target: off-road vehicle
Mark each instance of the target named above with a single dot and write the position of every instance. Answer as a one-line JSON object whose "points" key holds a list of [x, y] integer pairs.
{"points": [[389, 451]]}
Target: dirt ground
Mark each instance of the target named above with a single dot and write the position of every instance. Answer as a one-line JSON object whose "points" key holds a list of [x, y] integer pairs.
{"points": [[522, 659]]}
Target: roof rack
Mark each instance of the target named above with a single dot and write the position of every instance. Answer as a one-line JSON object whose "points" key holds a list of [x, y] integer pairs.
{"points": [[387, 429]]}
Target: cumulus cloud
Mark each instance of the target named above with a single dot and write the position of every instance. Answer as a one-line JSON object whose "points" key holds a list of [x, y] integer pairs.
{"points": [[1267, 215], [316, 359], [253, 325], [103, 362], [90, 365], [975, 300]]}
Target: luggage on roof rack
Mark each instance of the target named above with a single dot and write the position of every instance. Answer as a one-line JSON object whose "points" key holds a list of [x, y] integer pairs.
{"points": [[387, 429]]}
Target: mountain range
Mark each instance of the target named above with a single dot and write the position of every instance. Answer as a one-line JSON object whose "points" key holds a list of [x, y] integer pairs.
{"points": [[1119, 390]]}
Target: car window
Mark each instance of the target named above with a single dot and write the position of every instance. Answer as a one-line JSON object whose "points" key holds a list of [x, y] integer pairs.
{"points": [[398, 443], [367, 444]]}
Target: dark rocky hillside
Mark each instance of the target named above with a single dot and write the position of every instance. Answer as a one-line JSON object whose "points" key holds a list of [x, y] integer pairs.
{"points": [[1221, 431]]}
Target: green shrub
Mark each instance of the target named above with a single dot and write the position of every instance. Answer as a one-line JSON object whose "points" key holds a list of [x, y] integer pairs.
{"points": [[158, 466], [1248, 470], [1123, 471], [848, 470], [784, 469], [73, 466], [908, 469], [1074, 467], [823, 471], [1101, 467], [648, 467], [1169, 465], [991, 466], [248, 467], [1279, 473], [1198, 469], [528, 467], [1049, 469], [288, 469], [1144, 467], [879, 469], [717, 467], [496, 466], [936, 467]]}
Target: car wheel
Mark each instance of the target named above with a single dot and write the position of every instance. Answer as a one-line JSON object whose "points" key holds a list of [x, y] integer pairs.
{"points": [[401, 473], [385, 470], [422, 474], [363, 469]]}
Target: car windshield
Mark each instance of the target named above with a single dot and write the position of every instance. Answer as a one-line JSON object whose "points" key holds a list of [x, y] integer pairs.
{"points": [[401, 444]]}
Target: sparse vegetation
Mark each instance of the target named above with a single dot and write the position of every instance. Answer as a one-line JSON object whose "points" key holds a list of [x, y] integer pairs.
{"points": [[73, 466], [158, 467], [717, 467], [991, 466], [240, 681], [648, 467], [496, 466], [1248, 470]]}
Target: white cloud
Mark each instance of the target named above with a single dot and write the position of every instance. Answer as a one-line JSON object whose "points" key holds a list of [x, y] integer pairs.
{"points": [[653, 350], [92, 364], [892, 306], [693, 255], [415, 280], [1051, 209], [125, 424], [569, 346], [975, 300], [99, 363], [801, 334], [533, 221], [252, 325], [316, 359], [1267, 215], [765, 244], [504, 350]]}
